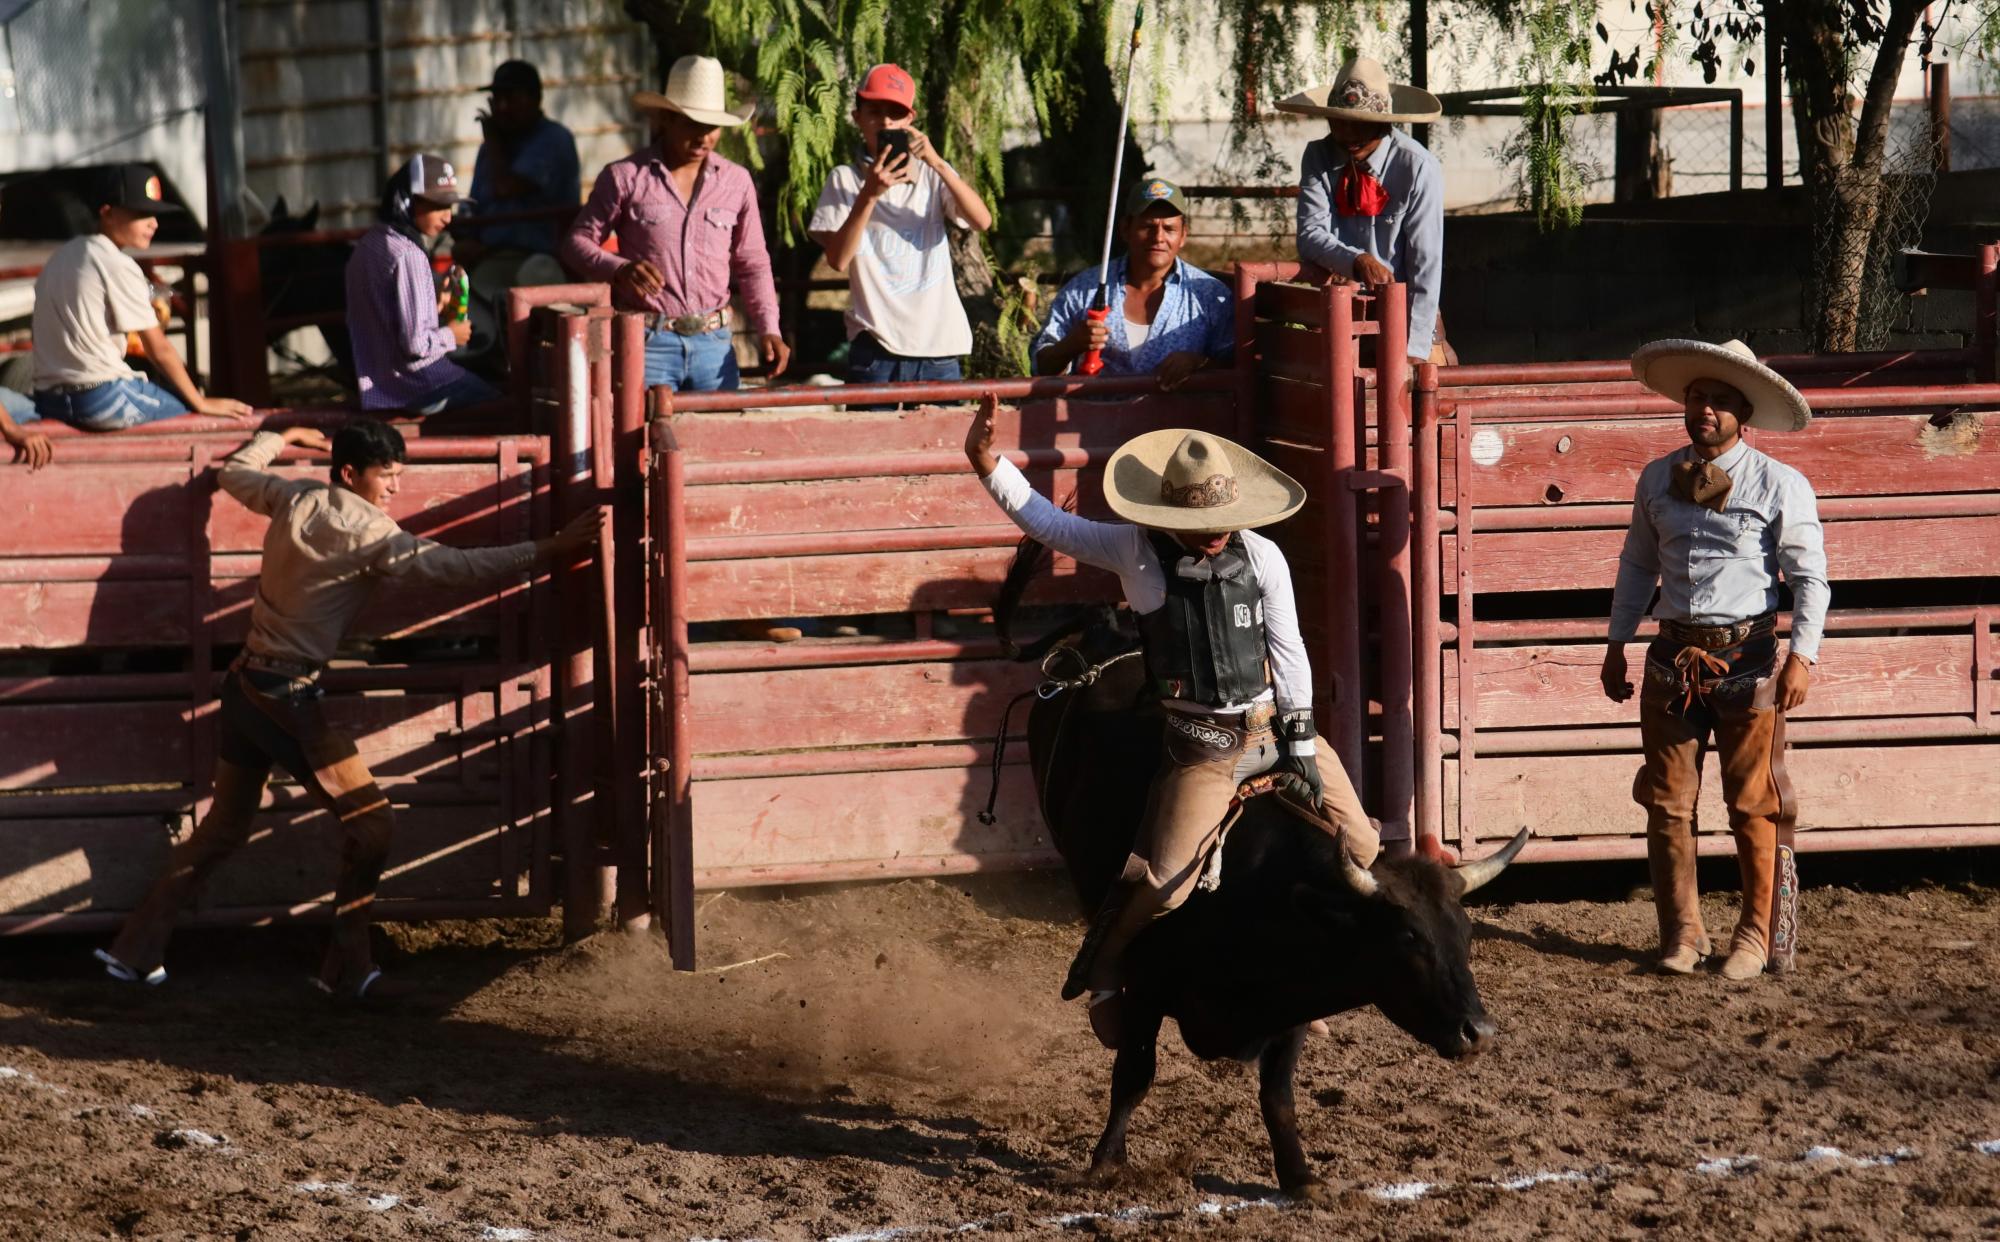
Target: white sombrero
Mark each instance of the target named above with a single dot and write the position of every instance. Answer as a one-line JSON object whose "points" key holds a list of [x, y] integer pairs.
{"points": [[1363, 92], [1175, 479], [695, 89], [1668, 367]]}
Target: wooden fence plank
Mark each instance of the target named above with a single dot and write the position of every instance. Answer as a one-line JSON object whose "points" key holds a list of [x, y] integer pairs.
{"points": [[859, 706], [108, 863], [893, 503], [1839, 787], [1292, 353], [1568, 560], [1550, 686], [797, 820], [1599, 463], [872, 582], [790, 434]]}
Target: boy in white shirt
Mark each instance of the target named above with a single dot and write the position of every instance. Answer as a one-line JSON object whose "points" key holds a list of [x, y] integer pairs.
{"points": [[90, 295], [882, 223]]}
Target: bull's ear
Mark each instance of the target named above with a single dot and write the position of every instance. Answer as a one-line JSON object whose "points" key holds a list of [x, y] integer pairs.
{"points": [[1324, 909]]}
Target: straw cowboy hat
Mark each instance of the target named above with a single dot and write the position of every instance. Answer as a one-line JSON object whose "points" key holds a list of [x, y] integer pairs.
{"points": [[695, 90], [1363, 92], [1668, 367], [1175, 479]]}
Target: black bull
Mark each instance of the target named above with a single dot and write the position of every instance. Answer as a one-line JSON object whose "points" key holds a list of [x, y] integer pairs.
{"points": [[1294, 933]]}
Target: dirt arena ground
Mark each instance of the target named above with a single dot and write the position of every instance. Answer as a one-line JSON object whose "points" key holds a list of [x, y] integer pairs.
{"points": [[890, 1061]]}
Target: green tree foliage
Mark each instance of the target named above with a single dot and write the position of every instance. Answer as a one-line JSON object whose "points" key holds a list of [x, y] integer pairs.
{"points": [[1553, 71]]}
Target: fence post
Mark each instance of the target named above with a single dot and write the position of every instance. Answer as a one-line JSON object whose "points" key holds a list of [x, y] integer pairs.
{"points": [[673, 823], [1348, 709], [628, 510], [1939, 99], [236, 320], [1392, 441], [1983, 318], [583, 877], [607, 690], [1426, 667]]}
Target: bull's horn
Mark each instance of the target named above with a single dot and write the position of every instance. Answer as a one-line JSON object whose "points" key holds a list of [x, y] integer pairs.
{"points": [[1473, 875], [1358, 877]]}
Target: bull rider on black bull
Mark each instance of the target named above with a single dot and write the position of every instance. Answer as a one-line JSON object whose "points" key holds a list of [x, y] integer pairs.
{"points": [[1714, 524], [1223, 652]]}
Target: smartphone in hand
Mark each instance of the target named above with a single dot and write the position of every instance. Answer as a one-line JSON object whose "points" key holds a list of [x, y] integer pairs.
{"points": [[893, 145]]}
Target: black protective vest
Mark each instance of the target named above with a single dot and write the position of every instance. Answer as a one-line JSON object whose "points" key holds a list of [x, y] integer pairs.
{"points": [[1206, 643]]}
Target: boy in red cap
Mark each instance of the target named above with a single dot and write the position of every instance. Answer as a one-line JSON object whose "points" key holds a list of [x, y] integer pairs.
{"points": [[882, 222]]}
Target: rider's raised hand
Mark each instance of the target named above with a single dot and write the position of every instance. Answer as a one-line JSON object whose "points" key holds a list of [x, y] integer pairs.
{"points": [[979, 436]]}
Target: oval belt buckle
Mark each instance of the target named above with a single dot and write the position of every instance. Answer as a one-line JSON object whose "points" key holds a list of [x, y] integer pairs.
{"points": [[690, 325]]}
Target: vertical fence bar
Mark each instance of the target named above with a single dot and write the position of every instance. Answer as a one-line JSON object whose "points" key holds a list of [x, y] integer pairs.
{"points": [[1392, 448], [1426, 656], [1983, 317], [607, 691], [1343, 541], [1468, 688], [1246, 355], [673, 811], [1983, 670], [1735, 141], [1939, 99], [583, 881], [628, 355], [201, 651]]}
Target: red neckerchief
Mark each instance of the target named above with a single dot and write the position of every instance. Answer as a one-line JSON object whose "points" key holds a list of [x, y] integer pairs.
{"points": [[1359, 193]]}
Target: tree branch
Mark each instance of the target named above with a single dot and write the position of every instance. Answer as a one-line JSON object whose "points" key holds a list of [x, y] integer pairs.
{"points": [[1872, 134]]}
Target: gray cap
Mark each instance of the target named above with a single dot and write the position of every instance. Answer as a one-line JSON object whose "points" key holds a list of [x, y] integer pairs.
{"points": [[431, 177]]}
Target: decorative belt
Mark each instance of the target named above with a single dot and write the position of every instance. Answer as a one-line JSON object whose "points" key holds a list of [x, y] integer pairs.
{"points": [[1256, 718], [1716, 637], [276, 664], [688, 325]]}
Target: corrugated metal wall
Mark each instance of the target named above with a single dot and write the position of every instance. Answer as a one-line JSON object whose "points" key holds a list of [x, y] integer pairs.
{"points": [[311, 128]]}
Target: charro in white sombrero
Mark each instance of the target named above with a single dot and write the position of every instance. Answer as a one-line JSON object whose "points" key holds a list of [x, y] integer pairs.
{"points": [[1176, 479], [1363, 92], [1668, 367], [695, 89]]}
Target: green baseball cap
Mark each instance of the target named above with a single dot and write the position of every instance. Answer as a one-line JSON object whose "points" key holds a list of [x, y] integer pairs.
{"points": [[1152, 190]]}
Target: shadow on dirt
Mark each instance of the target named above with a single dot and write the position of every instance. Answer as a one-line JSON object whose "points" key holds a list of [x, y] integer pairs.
{"points": [[238, 1008]]}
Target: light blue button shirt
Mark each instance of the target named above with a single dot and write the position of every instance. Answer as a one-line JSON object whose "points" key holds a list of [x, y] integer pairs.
{"points": [[1408, 236], [1717, 568], [1197, 314]]}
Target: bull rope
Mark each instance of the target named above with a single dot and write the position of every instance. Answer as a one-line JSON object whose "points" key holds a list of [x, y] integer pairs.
{"points": [[1051, 686]]}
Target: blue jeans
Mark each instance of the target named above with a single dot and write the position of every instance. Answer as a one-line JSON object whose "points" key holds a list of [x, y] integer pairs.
{"points": [[705, 363], [467, 389], [114, 405], [869, 363], [19, 406]]}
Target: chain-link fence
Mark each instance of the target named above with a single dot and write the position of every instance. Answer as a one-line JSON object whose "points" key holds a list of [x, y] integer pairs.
{"points": [[1861, 220]]}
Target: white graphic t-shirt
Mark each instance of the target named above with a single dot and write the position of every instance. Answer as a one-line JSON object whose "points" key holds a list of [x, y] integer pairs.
{"points": [[900, 283]]}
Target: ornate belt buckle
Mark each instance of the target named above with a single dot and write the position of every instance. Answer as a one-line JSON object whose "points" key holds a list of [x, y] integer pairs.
{"points": [[690, 325]]}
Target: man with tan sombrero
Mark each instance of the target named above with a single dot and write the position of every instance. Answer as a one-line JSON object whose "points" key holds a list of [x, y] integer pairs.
{"points": [[1222, 648], [1714, 525], [1371, 199], [689, 234]]}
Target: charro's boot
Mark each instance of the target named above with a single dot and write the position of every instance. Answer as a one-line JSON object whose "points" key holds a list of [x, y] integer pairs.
{"points": [[1085, 963], [1670, 856], [1757, 855]]}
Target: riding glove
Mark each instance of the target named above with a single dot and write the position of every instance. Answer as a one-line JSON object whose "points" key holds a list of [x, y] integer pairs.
{"points": [[1297, 753]]}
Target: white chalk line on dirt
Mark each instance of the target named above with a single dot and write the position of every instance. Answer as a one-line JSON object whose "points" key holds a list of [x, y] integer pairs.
{"points": [[1819, 1156], [188, 1138]]}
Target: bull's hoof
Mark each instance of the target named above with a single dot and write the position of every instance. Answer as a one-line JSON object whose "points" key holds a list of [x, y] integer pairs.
{"points": [[1102, 1172], [1312, 1192]]}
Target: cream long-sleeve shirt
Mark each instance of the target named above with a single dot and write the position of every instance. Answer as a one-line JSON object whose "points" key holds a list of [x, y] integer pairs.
{"points": [[326, 550]]}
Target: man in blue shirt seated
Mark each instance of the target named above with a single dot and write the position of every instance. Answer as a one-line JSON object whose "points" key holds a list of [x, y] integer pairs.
{"points": [[526, 163], [1371, 199], [1167, 317]]}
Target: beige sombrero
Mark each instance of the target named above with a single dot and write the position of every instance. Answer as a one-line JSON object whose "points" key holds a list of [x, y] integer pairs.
{"points": [[1363, 92], [1176, 479], [1668, 367], [696, 89]]}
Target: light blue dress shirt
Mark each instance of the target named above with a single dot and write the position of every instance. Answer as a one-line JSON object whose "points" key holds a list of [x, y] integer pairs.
{"points": [[1717, 568], [1408, 236], [1197, 314]]}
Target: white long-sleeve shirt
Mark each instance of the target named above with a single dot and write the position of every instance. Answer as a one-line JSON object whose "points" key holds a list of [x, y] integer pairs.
{"points": [[1718, 568], [1124, 549]]}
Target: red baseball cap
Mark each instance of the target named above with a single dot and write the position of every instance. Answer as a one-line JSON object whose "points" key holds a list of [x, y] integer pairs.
{"points": [[890, 84]]}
